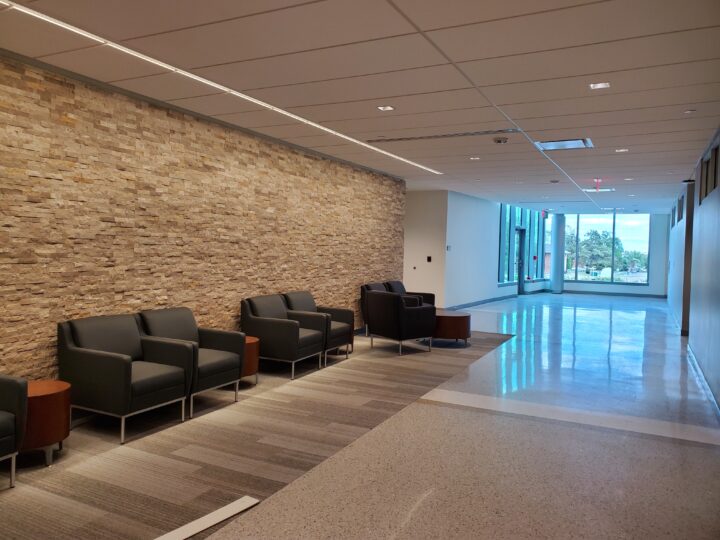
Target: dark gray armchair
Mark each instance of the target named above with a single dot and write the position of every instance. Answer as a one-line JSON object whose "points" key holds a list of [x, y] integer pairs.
{"points": [[399, 288], [341, 323], [217, 354], [13, 411], [285, 335], [399, 318], [115, 371]]}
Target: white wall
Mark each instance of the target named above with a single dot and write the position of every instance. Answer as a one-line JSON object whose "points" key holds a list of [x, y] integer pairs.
{"points": [[658, 262], [425, 226], [473, 237]]}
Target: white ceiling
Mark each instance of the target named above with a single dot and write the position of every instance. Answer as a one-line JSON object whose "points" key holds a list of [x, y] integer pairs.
{"points": [[447, 66]]}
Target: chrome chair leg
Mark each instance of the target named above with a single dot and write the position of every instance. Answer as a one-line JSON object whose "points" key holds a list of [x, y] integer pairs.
{"points": [[182, 410], [192, 405], [122, 430], [400, 348], [237, 386], [13, 464]]}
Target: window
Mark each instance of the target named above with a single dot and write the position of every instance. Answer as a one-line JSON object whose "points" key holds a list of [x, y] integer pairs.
{"points": [[595, 248], [632, 236], [547, 245], [607, 248], [511, 219], [680, 208]]}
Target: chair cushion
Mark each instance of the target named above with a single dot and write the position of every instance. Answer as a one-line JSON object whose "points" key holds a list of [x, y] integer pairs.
{"points": [[212, 361], [396, 287], [271, 306], [309, 337], [110, 333], [7, 424], [175, 323], [338, 329], [301, 301], [148, 377]]}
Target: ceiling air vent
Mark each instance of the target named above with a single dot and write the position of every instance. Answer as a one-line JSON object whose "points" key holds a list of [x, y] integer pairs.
{"points": [[568, 144], [445, 135]]}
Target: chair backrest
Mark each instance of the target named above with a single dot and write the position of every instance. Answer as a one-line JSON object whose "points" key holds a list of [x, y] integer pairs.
{"points": [[300, 301], [395, 286], [175, 323], [364, 289], [110, 333], [270, 306], [374, 287]]}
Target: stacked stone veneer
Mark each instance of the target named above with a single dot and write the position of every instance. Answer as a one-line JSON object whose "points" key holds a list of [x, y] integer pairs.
{"points": [[110, 205]]}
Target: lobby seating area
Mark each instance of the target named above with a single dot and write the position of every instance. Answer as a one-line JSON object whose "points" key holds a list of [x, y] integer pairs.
{"points": [[363, 270]]}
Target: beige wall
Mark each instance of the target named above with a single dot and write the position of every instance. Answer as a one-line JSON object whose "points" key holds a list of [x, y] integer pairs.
{"points": [[109, 204]]}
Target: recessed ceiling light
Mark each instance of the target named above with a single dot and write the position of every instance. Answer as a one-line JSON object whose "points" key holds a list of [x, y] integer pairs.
{"points": [[567, 144], [386, 108], [631, 195], [207, 82], [689, 111], [554, 181], [474, 158], [621, 150], [598, 190], [628, 179], [613, 209], [599, 85]]}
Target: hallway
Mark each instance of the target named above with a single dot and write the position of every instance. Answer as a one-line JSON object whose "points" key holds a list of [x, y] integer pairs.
{"points": [[590, 423]]}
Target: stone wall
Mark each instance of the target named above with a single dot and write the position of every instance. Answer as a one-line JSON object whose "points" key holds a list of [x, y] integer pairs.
{"points": [[110, 204]]}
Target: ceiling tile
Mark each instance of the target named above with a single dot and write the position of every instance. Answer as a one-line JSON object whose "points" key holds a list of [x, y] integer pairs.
{"points": [[376, 56], [583, 25], [103, 63], [33, 37], [665, 49], [429, 14], [310, 26], [398, 83], [166, 87], [123, 19]]}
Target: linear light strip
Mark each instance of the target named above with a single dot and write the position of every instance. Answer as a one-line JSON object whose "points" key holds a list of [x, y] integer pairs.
{"points": [[208, 82]]}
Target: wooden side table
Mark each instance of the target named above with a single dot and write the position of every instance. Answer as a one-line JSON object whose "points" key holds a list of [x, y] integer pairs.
{"points": [[48, 417], [252, 357], [451, 324]]}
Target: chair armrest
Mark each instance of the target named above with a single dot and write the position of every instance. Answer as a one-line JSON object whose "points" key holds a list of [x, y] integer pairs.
{"points": [[222, 340], [411, 300], [13, 399], [427, 297], [340, 314], [310, 319], [278, 337], [171, 352], [99, 380]]}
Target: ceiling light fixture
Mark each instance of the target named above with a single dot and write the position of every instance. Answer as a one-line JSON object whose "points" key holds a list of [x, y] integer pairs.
{"points": [[628, 179], [567, 144], [598, 190], [474, 158], [210, 83], [689, 111], [599, 85], [631, 195], [386, 108], [621, 150]]}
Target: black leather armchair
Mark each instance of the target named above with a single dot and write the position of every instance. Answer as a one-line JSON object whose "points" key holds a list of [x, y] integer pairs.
{"points": [[393, 316], [13, 411], [364, 289], [399, 288], [217, 354], [115, 371], [341, 323], [285, 335]]}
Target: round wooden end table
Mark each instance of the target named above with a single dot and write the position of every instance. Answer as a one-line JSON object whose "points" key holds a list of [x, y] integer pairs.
{"points": [[452, 325], [252, 357], [48, 417]]}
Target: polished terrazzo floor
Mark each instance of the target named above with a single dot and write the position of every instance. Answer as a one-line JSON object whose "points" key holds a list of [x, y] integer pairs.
{"points": [[592, 422]]}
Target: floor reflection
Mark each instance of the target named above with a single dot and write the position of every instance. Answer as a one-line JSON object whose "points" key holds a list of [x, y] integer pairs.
{"points": [[609, 354]]}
